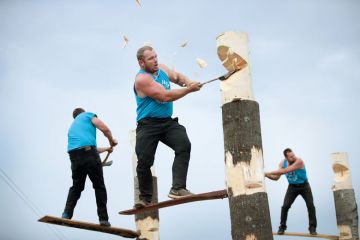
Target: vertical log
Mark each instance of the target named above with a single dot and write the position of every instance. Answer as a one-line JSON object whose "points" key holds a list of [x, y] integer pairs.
{"points": [[248, 202], [344, 196], [147, 223]]}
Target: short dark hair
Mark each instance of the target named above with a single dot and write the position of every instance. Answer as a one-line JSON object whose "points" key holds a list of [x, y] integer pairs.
{"points": [[286, 151], [77, 111], [140, 52]]}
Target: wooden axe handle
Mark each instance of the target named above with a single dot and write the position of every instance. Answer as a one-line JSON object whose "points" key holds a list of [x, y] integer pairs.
{"points": [[106, 158], [222, 77]]}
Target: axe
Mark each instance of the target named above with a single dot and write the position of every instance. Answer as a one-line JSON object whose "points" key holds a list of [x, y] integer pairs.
{"points": [[222, 77], [105, 163]]}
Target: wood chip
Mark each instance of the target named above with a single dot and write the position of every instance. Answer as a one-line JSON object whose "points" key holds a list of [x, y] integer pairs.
{"points": [[148, 44], [184, 44], [138, 2], [201, 62], [126, 40]]}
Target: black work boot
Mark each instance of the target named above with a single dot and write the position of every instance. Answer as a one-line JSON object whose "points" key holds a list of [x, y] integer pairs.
{"points": [[281, 230], [312, 230]]}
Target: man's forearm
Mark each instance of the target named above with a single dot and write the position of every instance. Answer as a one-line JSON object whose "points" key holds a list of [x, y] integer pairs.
{"points": [[102, 149], [272, 176], [175, 94], [108, 134], [277, 172], [182, 80]]}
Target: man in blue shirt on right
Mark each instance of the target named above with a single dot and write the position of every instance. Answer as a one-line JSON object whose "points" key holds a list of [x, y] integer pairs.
{"points": [[294, 169]]}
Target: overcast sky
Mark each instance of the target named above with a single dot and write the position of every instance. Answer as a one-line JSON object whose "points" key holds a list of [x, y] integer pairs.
{"points": [[58, 55]]}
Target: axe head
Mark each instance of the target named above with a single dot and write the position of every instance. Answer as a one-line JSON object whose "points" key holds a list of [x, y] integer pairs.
{"points": [[227, 75], [106, 164]]}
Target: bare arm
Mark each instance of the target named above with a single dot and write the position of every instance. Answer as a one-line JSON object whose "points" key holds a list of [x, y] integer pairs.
{"points": [[176, 77], [272, 176], [146, 86], [104, 149], [296, 165], [106, 131]]}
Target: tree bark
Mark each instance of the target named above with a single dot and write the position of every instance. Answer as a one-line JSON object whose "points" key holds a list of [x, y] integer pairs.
{"points": [[248, 202]]}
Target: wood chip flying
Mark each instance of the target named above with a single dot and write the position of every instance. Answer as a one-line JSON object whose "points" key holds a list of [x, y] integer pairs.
{"points": [[148, 44], [126, 40], [184, 44], [201, 62], [138, 2]]}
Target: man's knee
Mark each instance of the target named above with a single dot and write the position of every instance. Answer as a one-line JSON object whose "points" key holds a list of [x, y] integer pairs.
{"points": [[310, 207], [286, 207], [78, 188], [183, 147]]}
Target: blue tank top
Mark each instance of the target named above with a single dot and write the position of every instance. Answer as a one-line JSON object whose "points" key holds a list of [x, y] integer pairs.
{"points": [[149, 107], [296, 177], [82, 131]]}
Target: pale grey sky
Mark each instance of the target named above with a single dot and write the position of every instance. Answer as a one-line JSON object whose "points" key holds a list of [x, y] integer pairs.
{"points": [[58, 55]]}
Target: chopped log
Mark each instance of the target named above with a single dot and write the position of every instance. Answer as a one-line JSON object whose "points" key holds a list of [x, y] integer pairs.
{"points": [[244, 164], [347, 217], [147, 223], [295, 234], [192, 198], [126, 233]]}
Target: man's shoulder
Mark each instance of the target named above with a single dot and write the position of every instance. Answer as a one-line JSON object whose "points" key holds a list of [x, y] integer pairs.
{"points": [[86, 115], [282, 163], [143, 80], [143, 76]]}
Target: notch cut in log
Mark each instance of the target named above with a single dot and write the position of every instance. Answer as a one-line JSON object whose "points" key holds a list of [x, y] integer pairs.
{"points": [[126, 233], [295, 234], [192, 198]]}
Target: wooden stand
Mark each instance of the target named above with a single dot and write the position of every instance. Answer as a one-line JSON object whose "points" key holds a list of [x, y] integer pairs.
{"points": [[89, 226], [294, 234], [193, 198]]}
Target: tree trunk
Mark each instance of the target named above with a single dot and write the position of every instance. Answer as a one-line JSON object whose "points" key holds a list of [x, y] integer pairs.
{"points": [[147, 223], [344, 196], [249, 209]]}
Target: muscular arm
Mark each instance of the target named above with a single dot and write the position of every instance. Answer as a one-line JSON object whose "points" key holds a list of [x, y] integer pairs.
{"points": [[104, 129], [146, 86], [176, 77], [104, 149], [296, 165], [272, 176]]}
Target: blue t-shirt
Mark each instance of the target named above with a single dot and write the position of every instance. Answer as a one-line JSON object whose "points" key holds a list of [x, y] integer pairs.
{"points": [[82, 131], [296, 177], [149, 107]]}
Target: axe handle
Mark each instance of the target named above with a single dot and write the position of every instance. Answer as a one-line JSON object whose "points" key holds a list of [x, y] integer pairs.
{"points": [[223, 77], [202, 84], [106, 158]]}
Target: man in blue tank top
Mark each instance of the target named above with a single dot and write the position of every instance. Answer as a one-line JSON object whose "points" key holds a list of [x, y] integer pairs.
{"points": [[294, 169], [154, 99], [85, 161]]}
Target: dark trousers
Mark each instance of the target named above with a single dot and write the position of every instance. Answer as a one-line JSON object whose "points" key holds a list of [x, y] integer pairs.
{"points": [[87, 163], [292, 192], [149, 132]]}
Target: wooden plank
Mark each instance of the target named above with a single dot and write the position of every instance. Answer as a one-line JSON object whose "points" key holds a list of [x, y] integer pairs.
{"points": [[295, 234], [89, 226], [192, 198]]}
